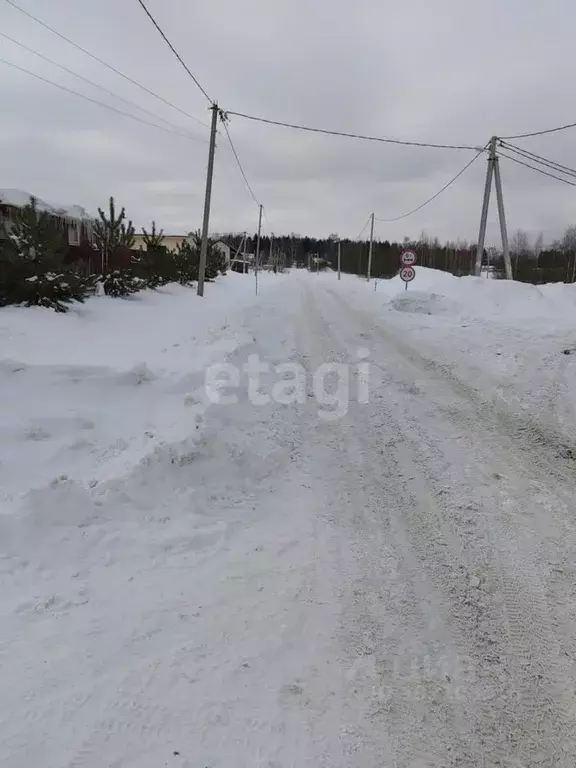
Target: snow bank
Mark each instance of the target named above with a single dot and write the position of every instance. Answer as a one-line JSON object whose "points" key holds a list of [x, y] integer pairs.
{"points": [[88, 394], [513, 343]]}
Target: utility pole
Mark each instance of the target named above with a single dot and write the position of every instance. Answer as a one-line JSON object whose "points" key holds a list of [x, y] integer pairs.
{"points": [[485, 206], [207, 199], [257, 254], [502, 217], [339, 257], [245, 242], [370, 248], [493, 169]]}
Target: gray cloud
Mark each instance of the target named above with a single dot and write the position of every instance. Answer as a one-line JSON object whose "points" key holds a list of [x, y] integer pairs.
{"points": [[448, 71]]}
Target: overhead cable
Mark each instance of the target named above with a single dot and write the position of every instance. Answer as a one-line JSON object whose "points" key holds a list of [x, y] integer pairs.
{"points": [[104, 63], [364, 228], [540, 133], [538, 159], [102, 104], [90, 82], [351, 135], [538, 170], [440, 191], [174, 51], [233, 148]]}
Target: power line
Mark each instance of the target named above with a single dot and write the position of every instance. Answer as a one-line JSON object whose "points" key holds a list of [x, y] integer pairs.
{"points": [[538, 170], [440, 191], [101, 103], [364, 228], [90, 82], [250, 190], [104, 63], [532, 157], [540, 133], [174, 51], [350, 135]]}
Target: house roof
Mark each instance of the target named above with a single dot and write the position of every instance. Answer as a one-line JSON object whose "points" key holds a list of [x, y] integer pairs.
{"points": [[17, 198]]}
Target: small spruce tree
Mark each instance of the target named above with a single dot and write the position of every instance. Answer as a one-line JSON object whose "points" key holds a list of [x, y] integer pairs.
{"points": [[185, 263], [112, 232], [34, 273]]}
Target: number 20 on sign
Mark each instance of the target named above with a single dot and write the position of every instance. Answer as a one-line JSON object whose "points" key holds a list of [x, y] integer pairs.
{"points": [[407, 272]]}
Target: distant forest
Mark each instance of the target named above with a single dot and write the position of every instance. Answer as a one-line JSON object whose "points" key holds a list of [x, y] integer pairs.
{"points": [[531, 262]]}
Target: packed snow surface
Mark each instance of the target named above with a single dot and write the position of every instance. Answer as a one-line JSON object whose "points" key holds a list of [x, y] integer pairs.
{"points": [[373, 573]]}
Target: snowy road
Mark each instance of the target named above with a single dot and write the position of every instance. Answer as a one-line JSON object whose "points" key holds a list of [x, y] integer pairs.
{"points": [[396, 587]]}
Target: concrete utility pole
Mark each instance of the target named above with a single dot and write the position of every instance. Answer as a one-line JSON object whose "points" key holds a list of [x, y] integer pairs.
{"points": [[502, 217], [257, 255], [493, 169], [207, 200], [370, 248], [339, 257], [485, 206]]}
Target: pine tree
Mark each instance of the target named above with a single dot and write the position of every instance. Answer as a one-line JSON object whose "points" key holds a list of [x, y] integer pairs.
{"points": [[33, 270], [215, 259], [155, 264], [111, 233], [121, 283], [186, 263]]}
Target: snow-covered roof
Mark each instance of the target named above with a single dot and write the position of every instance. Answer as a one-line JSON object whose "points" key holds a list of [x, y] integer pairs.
{"points": [[18, 198]]}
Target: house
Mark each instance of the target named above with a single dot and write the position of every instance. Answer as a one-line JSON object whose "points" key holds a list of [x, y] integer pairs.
{"points": [[74, 219], [171, 242]]}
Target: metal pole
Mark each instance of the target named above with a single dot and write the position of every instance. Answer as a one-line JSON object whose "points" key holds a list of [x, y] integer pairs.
{"points": [[257, 255], [339, 257], [502, 217], [207, 199], [485, 205], [370, 248]]}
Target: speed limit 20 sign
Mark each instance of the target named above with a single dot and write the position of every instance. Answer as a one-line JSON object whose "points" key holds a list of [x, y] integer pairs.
{"points": [[407, 274]]}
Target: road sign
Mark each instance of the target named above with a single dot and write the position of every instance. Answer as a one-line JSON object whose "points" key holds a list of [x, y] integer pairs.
{"points": [[408, 258], [407, 274]]}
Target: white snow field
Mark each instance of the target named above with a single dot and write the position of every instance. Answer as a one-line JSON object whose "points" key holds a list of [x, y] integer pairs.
{"points": [[188, 584]]}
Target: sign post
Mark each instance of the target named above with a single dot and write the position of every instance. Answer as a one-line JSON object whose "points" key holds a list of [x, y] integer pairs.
{"points": [[407, 271]]}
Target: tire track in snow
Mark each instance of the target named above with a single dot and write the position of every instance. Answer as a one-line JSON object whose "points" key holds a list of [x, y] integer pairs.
{"points": [[530, 717]]}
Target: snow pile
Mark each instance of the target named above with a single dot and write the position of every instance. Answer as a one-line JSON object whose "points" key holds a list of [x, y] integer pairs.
{"points": [[18, 198], [89, 394], [513, 343]]}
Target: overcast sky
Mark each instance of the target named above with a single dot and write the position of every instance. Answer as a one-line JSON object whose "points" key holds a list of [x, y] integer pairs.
{"points": [[450, 71]]}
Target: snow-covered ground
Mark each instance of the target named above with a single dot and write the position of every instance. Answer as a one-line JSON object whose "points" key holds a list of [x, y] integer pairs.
{"points": [[188, 583]]}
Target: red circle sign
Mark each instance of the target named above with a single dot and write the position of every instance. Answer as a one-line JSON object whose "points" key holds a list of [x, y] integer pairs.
{"points": [[407, 274], [408, 258]]}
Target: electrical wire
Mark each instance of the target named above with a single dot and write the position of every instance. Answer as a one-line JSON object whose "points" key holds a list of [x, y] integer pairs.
{"points": [[440, 191], [90, 82], [101, 103], [532, 157], [364, 228], [350, 135], [540, 133], [233, 148], [538, 170], [174, 51], [104, 63]]}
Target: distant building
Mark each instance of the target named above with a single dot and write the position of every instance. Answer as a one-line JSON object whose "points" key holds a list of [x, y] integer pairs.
{"points": [[171, 242]]}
